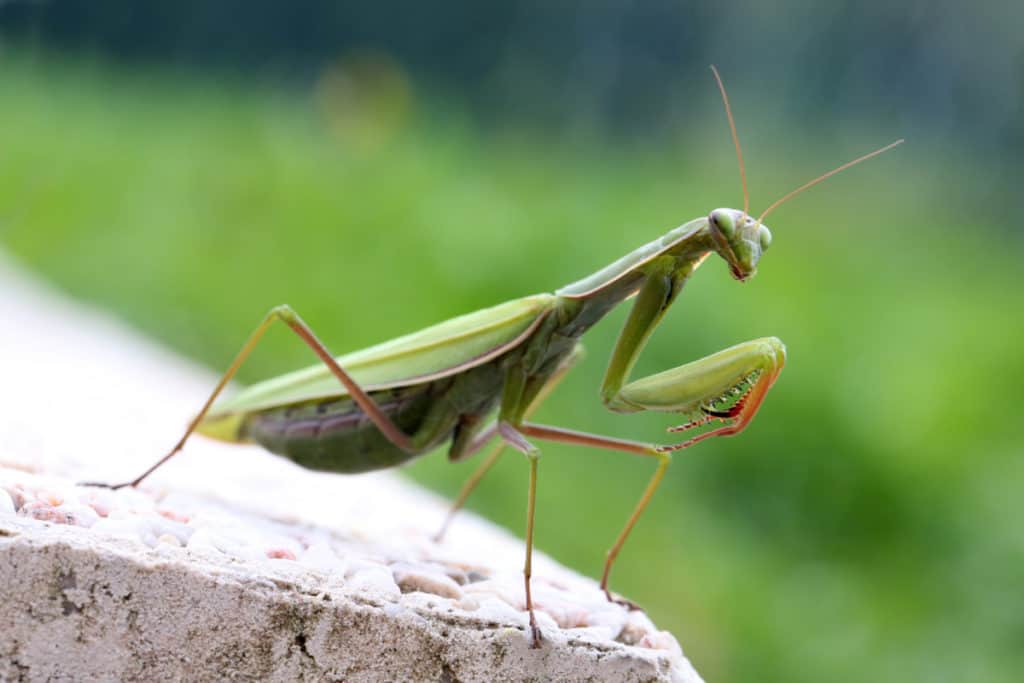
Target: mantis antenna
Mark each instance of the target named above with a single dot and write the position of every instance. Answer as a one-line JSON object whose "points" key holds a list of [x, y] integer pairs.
{"points": [[848, 164], [735, 141], [743, 171]]}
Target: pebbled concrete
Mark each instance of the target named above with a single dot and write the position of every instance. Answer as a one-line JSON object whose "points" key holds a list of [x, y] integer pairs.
{"points": [[83, 607], [234, 564]]}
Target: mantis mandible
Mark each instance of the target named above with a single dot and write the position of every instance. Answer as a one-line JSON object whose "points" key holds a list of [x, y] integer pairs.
{"points": [[387, 404]]}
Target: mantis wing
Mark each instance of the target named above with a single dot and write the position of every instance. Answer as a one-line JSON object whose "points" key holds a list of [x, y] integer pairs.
{"points": [[432, 353]]}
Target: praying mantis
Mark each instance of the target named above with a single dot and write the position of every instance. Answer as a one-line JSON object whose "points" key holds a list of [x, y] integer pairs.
{"points": [[477, 378]]}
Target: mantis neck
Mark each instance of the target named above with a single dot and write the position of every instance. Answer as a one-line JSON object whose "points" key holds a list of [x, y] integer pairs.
{"points": [[595, 295], [690, 241]]}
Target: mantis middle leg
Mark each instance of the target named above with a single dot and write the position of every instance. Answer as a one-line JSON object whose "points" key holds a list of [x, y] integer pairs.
{"points": [[542, 392]]}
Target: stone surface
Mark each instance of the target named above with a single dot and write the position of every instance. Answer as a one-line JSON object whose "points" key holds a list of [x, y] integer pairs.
{"points": [[232, 563]]}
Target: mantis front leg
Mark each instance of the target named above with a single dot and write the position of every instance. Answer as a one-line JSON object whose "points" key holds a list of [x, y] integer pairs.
{"points": [[738, 377], [727, 386]]}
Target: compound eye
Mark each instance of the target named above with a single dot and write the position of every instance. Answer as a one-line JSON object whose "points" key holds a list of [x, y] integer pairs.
{"points": [[765, 236], [724, 222]]}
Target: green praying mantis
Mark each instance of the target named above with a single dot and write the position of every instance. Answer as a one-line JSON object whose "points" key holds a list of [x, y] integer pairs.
{"points": [[387, 404]]}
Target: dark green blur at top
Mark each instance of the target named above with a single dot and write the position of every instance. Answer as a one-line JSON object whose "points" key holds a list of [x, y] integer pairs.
{"points": [[866, 525]]}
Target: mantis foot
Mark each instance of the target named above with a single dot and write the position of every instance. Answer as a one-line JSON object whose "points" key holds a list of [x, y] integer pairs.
{"points": [[443, 531], [104, 485], [535, 635], [628, 604]]}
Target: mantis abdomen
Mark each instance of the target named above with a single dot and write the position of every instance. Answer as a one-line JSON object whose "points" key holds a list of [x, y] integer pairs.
{"points": [[337, 436]]}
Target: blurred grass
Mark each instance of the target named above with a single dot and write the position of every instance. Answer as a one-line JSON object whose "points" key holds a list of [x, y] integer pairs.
{"points": [[865, 526]]}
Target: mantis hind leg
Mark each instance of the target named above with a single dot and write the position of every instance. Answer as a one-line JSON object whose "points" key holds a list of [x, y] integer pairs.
{"points": [[290, 318]]}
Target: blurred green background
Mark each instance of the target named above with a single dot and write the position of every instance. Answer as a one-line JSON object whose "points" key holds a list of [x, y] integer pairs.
{"points": [[188, 166]]}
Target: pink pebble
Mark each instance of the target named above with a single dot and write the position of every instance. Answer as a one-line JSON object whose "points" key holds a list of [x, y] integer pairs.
{"points": [[51, 497], [175, 516], [45, 512], [280, 554]]}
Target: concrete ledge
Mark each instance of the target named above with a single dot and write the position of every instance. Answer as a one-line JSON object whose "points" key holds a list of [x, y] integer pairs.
{"points": [[77, 607], [236, 564]]}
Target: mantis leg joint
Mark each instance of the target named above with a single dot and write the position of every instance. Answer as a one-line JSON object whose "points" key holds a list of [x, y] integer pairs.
{"points": [[283, 312]]}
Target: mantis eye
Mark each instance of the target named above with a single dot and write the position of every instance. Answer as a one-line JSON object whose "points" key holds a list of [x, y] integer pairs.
{"points": [[765, 236], [723, 221]]}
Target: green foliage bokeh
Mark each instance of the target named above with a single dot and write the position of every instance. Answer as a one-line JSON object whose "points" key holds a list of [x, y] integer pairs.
{"points": [[865, 522]]}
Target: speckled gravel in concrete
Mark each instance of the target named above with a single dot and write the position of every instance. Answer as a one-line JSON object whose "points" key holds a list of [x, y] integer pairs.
{"points": [[232, 563]]}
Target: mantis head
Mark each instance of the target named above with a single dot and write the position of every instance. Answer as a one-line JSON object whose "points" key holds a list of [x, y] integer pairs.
{"points": [[739, 239]]}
